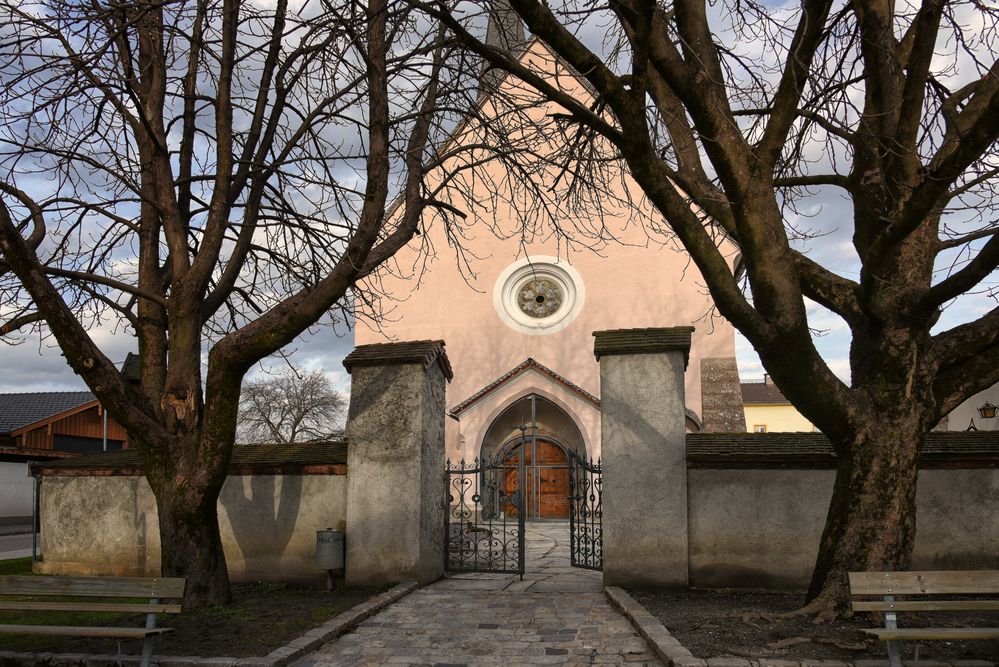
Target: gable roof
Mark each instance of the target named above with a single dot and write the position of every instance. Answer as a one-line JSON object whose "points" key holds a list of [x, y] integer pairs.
{"points": [[20, 410], [762, 393], [130, 368], [521, 368]]}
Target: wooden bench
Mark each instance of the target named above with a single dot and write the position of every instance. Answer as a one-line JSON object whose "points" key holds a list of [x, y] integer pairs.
{"points": [[929, 586], [43, 589]]}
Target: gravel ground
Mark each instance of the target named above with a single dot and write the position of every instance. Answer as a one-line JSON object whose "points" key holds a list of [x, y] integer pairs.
{"points": [[749, 625]]}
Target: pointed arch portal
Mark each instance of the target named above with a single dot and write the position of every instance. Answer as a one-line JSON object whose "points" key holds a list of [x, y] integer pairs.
{"points": [[546, 436], [532, 458]]}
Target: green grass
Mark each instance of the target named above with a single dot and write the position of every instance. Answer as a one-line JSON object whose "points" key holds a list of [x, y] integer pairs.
{"points": [[16, 566]]}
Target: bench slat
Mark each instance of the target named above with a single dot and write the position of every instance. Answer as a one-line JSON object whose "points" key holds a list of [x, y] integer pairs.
{"points": [[76, 631], [91, 606], [927, 605], [915, 583], [934, 633], [120, 587]]}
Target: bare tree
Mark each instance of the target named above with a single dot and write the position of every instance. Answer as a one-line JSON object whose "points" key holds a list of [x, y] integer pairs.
{"points": [[736, 117], [213, 177], [289, 407]]}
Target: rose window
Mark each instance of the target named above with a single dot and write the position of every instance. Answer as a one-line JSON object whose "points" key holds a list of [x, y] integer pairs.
{"points": [[539, 297]]}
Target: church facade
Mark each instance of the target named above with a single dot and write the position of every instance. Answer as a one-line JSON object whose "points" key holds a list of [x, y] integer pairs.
{"points": [[518, 319]]}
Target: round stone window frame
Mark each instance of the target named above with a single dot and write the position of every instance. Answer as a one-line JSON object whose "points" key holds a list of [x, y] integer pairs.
{"points": [[513, 278]]}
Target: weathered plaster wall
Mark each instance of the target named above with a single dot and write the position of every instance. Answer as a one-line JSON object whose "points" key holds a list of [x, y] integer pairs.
{"points": [[644, 516], [396, 462], [761, 528], [107, 525], [721, 396], [15, 491]]}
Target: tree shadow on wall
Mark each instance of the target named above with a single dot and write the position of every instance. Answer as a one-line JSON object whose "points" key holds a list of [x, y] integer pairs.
{"points": [[262, 519]]}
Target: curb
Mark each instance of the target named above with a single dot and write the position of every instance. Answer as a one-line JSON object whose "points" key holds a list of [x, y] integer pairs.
{"points": [[666, 647], [279, 657]]}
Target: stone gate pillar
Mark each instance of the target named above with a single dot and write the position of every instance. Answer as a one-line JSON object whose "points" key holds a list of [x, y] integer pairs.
{"points": [[395, 462], [643, 451]]}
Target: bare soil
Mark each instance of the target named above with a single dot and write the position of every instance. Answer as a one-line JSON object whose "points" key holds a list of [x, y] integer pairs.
{"points": [[261, 618], [749, 624]]}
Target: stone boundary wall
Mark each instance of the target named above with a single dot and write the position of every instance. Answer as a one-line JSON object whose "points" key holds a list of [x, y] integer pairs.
{"points": [[106, 524], [757, 504]]}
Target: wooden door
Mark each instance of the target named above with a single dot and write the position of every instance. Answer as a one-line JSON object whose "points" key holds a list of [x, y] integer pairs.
{"points": [[546, 483], [553, 482], [554, 488], [511, 476]]}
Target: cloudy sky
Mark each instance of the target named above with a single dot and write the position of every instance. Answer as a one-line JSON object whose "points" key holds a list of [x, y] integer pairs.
{"points": [[40, 366], [37, 365]]}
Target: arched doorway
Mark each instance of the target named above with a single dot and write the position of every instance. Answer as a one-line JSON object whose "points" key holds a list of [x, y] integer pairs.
{"points": [[543, 434]]}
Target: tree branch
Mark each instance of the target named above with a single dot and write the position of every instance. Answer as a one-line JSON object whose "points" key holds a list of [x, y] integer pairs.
{"points": [[985, 262], [807, 37]]}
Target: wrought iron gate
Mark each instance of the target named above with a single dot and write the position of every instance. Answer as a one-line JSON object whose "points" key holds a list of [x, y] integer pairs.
{"points": [[484, 524], [585, 513]]}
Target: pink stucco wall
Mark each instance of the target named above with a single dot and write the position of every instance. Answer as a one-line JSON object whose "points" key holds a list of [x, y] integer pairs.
{"points": [[629, 280]]}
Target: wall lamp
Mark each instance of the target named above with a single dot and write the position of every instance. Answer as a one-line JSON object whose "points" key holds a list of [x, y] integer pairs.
{"points": [[987, 410]]}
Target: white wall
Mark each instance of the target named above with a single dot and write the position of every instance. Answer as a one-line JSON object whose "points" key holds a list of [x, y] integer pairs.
{"points": [[962, 415], [15, 490]]}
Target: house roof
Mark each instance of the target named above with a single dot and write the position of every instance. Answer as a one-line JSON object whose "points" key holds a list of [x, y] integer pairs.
{"points": [[324, 457], [130, 368], [943, 449], [20, 410], [521, 368], [762, 393], [32, 454], [425, 352]]}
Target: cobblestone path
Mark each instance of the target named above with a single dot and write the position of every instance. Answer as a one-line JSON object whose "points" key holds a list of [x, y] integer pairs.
{"points": [[557, 615]]}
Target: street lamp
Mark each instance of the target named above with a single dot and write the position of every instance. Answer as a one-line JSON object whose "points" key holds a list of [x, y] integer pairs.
{"points": [[987, 411]]}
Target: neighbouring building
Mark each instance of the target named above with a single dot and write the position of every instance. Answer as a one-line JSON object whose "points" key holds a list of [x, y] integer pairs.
{"points": [[978, 413], [45, 426], [768, 411]]}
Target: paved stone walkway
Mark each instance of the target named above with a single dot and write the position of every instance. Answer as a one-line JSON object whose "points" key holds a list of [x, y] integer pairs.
{"points": [[557, 615]]}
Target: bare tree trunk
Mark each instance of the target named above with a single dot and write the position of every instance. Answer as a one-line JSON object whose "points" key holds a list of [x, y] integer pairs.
{"points": [[186, 475], [871, 523], [191, 546]]}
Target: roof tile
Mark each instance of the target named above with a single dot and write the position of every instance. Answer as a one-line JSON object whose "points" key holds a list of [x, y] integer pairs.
{"points": [[522, 367], [765, 393], [642, 341], [813, 450], [20, 410], [425, 352], [260, 457]]}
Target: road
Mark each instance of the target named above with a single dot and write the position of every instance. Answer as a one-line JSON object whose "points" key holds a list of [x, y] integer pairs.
{"points": [[15, 546]]}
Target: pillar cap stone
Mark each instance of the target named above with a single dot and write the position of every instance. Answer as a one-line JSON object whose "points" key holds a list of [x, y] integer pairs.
{"points": [[643, 341], [425, 352]]}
